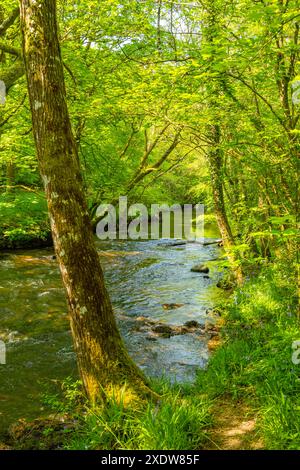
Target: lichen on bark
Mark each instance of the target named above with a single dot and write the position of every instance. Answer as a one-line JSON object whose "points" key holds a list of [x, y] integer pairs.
{"points": [[104, 364]]}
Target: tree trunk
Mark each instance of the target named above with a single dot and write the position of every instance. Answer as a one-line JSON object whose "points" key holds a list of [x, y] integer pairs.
{"points": [[10, 177], [214, 154], [103, 361], [215, 163], [214, 158]]}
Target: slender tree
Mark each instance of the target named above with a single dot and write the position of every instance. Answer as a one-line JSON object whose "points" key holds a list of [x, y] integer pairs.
{"points": [[103, 361], [214, 153], [9, 75]]}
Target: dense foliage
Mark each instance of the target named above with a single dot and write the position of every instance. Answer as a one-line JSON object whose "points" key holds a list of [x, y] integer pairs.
{"points": [[146, 83], [182, 101]]}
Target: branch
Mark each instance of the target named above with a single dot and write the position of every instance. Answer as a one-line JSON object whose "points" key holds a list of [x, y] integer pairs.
{"points": [[293, 56], [10, 49], [168, 151], [144, 172], [9, 21], [152, 146], [149, 147], [12, 74], [260, 96], [39, 192], [2, 123], [123, 153], [167, 170], [70, 72]]}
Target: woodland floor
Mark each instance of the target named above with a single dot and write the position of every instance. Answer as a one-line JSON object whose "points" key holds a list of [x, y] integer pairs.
{"points": [[235, 427]]}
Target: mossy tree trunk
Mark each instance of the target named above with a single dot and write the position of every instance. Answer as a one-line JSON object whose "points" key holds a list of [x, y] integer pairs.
{"points": [[103, 361], [214, 153]]}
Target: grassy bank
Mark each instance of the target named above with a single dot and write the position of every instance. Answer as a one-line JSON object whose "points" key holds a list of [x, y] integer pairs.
{"points": [[250, 374], [179, 421], [254, 365]]}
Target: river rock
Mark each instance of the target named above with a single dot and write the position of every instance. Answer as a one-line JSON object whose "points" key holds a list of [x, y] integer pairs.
{"points": [[145, 320], [210, 326], [172, 306], [212, 241], [200, 268], [151, 338], [163, 330], [176, 243], [156, 329], [192, 324]]}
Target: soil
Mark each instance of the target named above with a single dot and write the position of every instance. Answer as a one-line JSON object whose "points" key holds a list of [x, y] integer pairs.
{"points": [[235, 427]]}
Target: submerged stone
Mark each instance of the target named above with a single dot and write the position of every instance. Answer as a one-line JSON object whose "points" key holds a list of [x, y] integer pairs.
{"points": [[200, 268]]}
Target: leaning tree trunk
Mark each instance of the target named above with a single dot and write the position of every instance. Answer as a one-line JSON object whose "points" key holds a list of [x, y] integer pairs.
{"points": [[215, 163], [103, 361]]}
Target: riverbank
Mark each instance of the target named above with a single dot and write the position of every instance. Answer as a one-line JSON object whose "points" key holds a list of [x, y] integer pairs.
{"points": [[247, 398], [254, 368], [24, 221]]}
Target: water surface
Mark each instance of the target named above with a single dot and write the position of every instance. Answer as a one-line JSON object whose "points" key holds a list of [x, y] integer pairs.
{"points": [[140, 276]]}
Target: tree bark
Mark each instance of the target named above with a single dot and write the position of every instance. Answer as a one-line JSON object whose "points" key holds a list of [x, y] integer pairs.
{"points": [[214, 154], [104, 364]]}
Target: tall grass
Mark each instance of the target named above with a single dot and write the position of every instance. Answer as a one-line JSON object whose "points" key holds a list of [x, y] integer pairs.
{"points": [[255, 361], [178, 421]]}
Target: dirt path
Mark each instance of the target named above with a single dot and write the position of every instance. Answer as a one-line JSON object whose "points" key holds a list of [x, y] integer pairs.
{"points": [[234, 428]]}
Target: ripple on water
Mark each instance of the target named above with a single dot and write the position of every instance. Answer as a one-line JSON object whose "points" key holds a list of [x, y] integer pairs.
{"points": [[140, 276]]}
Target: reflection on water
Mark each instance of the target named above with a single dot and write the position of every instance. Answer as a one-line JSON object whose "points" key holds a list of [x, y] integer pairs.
{"points": [[141, 277]]}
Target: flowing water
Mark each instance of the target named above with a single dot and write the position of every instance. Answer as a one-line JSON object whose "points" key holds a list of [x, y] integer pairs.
{"points": [[141, 277]]}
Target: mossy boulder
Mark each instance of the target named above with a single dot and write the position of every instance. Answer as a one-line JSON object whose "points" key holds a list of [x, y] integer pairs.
{"points": [[200, 268]]}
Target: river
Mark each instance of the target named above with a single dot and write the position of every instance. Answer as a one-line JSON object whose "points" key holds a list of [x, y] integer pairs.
{"points": [[141, 277]]}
